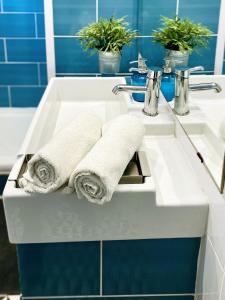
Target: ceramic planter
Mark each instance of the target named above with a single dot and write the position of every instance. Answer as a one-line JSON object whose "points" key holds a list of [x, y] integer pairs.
{"points": [[177, 58], [109, 63]]}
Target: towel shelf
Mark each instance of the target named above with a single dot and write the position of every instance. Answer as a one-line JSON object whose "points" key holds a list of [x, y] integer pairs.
{"points": [[135, 172]]}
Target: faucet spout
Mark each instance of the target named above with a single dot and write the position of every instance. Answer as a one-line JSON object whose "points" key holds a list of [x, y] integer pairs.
{"points": [[205, 86], [128, 88]]}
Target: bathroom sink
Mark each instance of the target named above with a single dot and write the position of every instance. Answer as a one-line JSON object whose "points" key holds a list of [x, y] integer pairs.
{"points": [[152, 209]]}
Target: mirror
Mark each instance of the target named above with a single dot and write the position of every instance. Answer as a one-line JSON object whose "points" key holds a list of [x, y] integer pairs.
{"points": [[205, 125]]}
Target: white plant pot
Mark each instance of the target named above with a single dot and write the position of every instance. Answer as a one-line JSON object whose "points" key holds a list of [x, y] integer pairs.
{"points": [[109, 63]]}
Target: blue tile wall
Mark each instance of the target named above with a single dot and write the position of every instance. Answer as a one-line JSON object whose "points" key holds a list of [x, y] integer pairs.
{"points": [[23, 6], [22, 52], [132, 267], [156, 266], [2, 53], [143, 16], [24, 97], [205, 12], [59, 269], [72, 15], [3, 179]]}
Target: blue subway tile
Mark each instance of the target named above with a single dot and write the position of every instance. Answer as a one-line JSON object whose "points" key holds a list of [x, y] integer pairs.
{"points": [[26, 50], [4, 98], [59, 269], [40, 25], [205, 56], [23, 5], [43, 74], [224, 67], [143, 16], [205, 12], [70, 16], [155, 266], [70, 57], [16, 74], [153, 52], [3, 179], [17, 25], [26, 96], [2, 52]]}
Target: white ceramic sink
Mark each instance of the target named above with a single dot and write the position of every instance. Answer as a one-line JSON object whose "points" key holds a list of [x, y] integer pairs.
{"points": [[165, 205]]}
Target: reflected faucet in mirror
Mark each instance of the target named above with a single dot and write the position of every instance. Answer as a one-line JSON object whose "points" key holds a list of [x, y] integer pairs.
{"points": [[151, 91], [182, 88]]}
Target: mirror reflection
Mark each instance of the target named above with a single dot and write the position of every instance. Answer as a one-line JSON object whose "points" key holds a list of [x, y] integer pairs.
{"points": [[199, 105]]}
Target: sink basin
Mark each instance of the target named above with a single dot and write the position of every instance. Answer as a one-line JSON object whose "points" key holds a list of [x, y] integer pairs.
{"points": [[152, 209]]}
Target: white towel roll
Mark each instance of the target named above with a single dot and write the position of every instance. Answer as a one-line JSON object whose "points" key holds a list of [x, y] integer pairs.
{"points": [[97, 175], [52, 165]]}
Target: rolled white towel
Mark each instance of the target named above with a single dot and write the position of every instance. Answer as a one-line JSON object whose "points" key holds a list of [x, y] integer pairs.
{"points": [[52, 165], [222, 130], [97, 175]]}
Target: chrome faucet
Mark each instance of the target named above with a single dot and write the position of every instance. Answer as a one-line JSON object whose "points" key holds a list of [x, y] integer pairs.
{"points": [[182, 88], [151, 91]]}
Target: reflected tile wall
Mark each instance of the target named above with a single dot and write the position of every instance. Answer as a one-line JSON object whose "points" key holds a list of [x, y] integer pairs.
{"points": [[22, 52], [143, 15]]}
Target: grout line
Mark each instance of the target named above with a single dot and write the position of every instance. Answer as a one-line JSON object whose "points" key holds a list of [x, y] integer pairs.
{"points": [[217, 256], [39, 74], [177, 8], [101, 245], [10, 96], [5, 50], [108, 296], [96, 3], [36, 27]]}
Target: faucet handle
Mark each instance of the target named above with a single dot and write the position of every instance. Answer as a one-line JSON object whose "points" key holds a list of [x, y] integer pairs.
{"points": [[185, 71]]}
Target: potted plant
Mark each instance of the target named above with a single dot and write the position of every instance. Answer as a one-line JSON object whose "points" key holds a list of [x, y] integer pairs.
{"points": [[107, 37], [180, 38]]}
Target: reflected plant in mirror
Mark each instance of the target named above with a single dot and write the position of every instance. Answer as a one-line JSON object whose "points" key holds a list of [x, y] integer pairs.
{"points": [[180, 38], [107, 37]]}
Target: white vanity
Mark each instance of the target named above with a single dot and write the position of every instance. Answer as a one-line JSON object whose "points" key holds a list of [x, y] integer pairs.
{"points": [[170, 202]]}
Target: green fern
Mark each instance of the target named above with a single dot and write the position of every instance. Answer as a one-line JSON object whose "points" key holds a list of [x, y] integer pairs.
{"points": [[106, 35], [182, 35]]}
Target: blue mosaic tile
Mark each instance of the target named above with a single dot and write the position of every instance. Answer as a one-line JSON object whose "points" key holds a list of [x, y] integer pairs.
{"points": [[155, 266], [2, 52], [23, 5], [70, 57], [3, 179], [224, 67], [59, 269], [4, 99], [23, 25], [26, 50], [26, 96], [18, 74], [70, 16], [205, 12]]}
